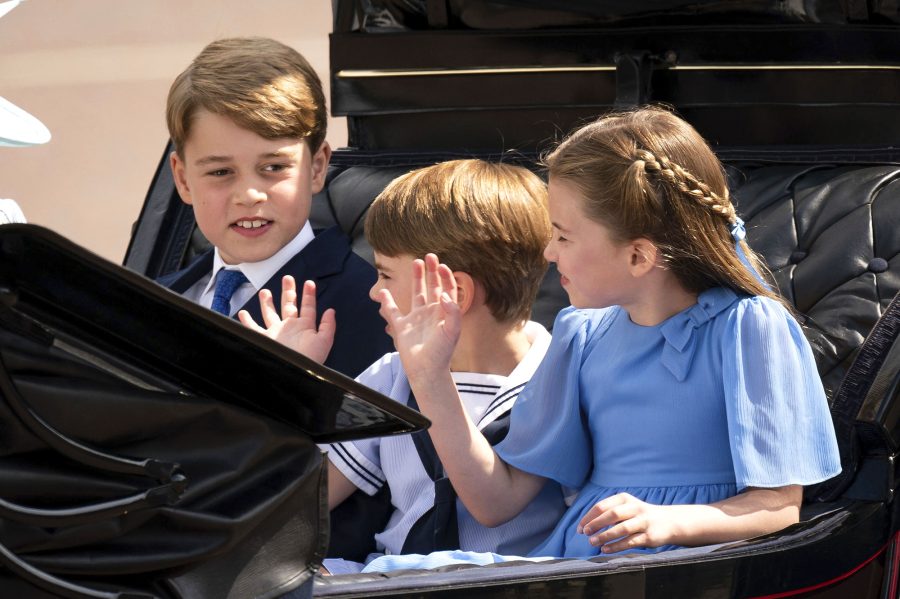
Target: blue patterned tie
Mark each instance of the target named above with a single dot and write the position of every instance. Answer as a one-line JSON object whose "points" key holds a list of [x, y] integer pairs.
{"points": [[227, 282]]}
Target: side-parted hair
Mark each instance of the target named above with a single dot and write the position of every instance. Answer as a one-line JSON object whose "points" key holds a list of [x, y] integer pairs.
{"points": [[259, 83], [485, 219], [646, 173]]}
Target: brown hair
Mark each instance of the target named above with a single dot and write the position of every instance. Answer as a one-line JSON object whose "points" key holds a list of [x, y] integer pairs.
{"points": [[647, 173], [485, 219], [259, 83]]}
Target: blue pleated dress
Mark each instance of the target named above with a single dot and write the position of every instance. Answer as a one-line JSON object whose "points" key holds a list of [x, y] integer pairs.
{"points": [[720, 397]]}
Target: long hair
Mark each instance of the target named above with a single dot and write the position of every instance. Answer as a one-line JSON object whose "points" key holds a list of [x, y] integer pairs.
{"points": [[646, 173]]}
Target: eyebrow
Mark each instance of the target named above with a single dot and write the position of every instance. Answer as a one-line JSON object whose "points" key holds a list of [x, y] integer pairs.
{"points": [[279, 154], [220, 159], [558, 226], [212, 160]]}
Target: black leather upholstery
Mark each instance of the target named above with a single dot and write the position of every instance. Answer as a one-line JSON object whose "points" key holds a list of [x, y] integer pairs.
{"points": [[831, 236]]}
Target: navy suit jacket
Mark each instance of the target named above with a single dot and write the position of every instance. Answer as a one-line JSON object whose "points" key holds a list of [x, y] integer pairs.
{"points": [[343, 280]]}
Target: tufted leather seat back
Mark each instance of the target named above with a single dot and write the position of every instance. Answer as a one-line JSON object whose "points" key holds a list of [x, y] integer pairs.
{"points": [[831, 236], [829, 232]]}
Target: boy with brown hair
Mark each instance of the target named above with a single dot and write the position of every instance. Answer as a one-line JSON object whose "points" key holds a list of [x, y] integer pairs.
{"points": [[489, 224], [247, 119]]}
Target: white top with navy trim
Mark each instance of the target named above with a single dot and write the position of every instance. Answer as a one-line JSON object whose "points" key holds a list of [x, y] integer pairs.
{"points": [[369, 463]]}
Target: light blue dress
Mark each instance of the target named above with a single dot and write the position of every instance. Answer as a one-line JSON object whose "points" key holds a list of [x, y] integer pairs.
{"points": [[722, 396]]}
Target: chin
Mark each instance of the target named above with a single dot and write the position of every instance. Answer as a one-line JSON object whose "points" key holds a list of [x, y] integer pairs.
{"points": [[587, 304]]}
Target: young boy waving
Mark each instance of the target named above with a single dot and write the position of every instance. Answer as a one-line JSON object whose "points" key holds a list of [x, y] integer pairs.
{"points": [[247, 119], [489, 224]]}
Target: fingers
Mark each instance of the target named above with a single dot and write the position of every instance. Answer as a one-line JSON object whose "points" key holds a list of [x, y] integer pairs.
{"points": [[248, 321], [628, 525], [452, 317], [639, 539], [307, 314], [433, 280], [327, 327], [289, 296], [447, 281], [267, 308], [624, 522], [418, 280], [598, 510], [389, 310]]}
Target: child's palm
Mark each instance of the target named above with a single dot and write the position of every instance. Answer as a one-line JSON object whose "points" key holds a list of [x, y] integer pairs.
{"points": [[295, 329], [426, 336]]}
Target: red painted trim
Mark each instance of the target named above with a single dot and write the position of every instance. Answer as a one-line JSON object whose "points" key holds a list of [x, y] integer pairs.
{"points": [[845, 575], [895, 568]]}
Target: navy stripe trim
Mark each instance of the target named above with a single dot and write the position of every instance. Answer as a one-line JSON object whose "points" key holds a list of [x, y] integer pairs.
{"points": [[474, 392], [477, 385], [363, 472], [514, 391]]}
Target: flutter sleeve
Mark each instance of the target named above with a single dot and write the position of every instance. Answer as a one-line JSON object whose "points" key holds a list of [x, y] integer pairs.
{"points": [[779, 423], [548, 433]]}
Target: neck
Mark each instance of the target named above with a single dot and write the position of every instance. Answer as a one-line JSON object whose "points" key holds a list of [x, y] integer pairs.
{"points": [[662, 297], [487, 346]]}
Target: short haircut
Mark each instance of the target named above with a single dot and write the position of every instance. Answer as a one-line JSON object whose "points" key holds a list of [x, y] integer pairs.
{"points": [[259, 83], [486, 219]]}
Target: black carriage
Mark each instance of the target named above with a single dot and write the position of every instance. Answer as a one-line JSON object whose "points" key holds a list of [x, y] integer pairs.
{"points": [[800, 101]]}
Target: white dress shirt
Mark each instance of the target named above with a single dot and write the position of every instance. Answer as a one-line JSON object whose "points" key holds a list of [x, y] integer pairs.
{"points": [[257, 273]]}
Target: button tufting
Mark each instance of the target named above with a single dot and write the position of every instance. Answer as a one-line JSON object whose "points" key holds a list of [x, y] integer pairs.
{"points": [[878, 265], [797, 256]]}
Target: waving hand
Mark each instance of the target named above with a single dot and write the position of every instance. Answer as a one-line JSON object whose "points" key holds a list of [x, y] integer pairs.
{"points": [[295, 328]]}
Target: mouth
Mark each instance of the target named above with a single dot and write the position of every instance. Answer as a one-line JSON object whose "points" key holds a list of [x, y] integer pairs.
{"points": [[563, 280], [251, 227], [246, 223]]}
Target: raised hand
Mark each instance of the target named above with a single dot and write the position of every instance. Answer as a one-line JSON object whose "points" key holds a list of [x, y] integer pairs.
{"points": [[427, 335], [295, 328]]}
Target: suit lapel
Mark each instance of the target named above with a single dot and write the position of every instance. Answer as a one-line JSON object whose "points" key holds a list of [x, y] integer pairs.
{"points": [[181, 281], [323, 256]]}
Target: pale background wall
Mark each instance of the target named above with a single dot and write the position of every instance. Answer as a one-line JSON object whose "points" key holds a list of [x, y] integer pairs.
{"points": [[96, 72]]}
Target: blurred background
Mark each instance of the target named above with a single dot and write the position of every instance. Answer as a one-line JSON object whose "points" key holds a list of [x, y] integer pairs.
{"points": [[96, 73]]}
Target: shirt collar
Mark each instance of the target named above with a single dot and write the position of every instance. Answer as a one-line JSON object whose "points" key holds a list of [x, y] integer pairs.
{"points": [[259, 273], [508, 393]]}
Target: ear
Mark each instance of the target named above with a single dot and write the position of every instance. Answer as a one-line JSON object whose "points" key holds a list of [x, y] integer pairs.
{"points": [[466, 288], [320, 167], [643, 256], [177, 166]]}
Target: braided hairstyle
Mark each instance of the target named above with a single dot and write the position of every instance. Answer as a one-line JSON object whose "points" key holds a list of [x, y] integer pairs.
{"points": [[646, 173]]}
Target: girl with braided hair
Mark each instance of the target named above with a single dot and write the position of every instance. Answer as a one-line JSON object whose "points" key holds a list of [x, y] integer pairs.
{"points": [[679, 394]]}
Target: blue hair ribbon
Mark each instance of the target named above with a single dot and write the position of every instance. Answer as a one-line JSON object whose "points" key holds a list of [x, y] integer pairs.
{"points": [[738, 233]]}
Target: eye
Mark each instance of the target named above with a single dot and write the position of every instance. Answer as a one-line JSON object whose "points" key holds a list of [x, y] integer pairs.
{"points": [[561, 239], [383, 276], [219, 172], [276, 168]]}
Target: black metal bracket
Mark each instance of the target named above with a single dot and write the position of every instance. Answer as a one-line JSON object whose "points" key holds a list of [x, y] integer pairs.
{"points": [[634, 75]]}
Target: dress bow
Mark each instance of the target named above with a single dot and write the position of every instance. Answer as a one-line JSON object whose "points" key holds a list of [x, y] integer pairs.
{"points": [[679, 331]]}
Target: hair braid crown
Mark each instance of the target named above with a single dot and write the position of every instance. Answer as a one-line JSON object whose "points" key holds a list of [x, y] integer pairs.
{"points": [[684, 181]]}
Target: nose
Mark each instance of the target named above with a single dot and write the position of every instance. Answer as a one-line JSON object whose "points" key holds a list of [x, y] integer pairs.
{"points": [[374, 289], [249, 195], [550, 252]]}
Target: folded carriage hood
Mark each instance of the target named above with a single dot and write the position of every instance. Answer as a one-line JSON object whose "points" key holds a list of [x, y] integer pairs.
{"points": [[61, 294]]}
